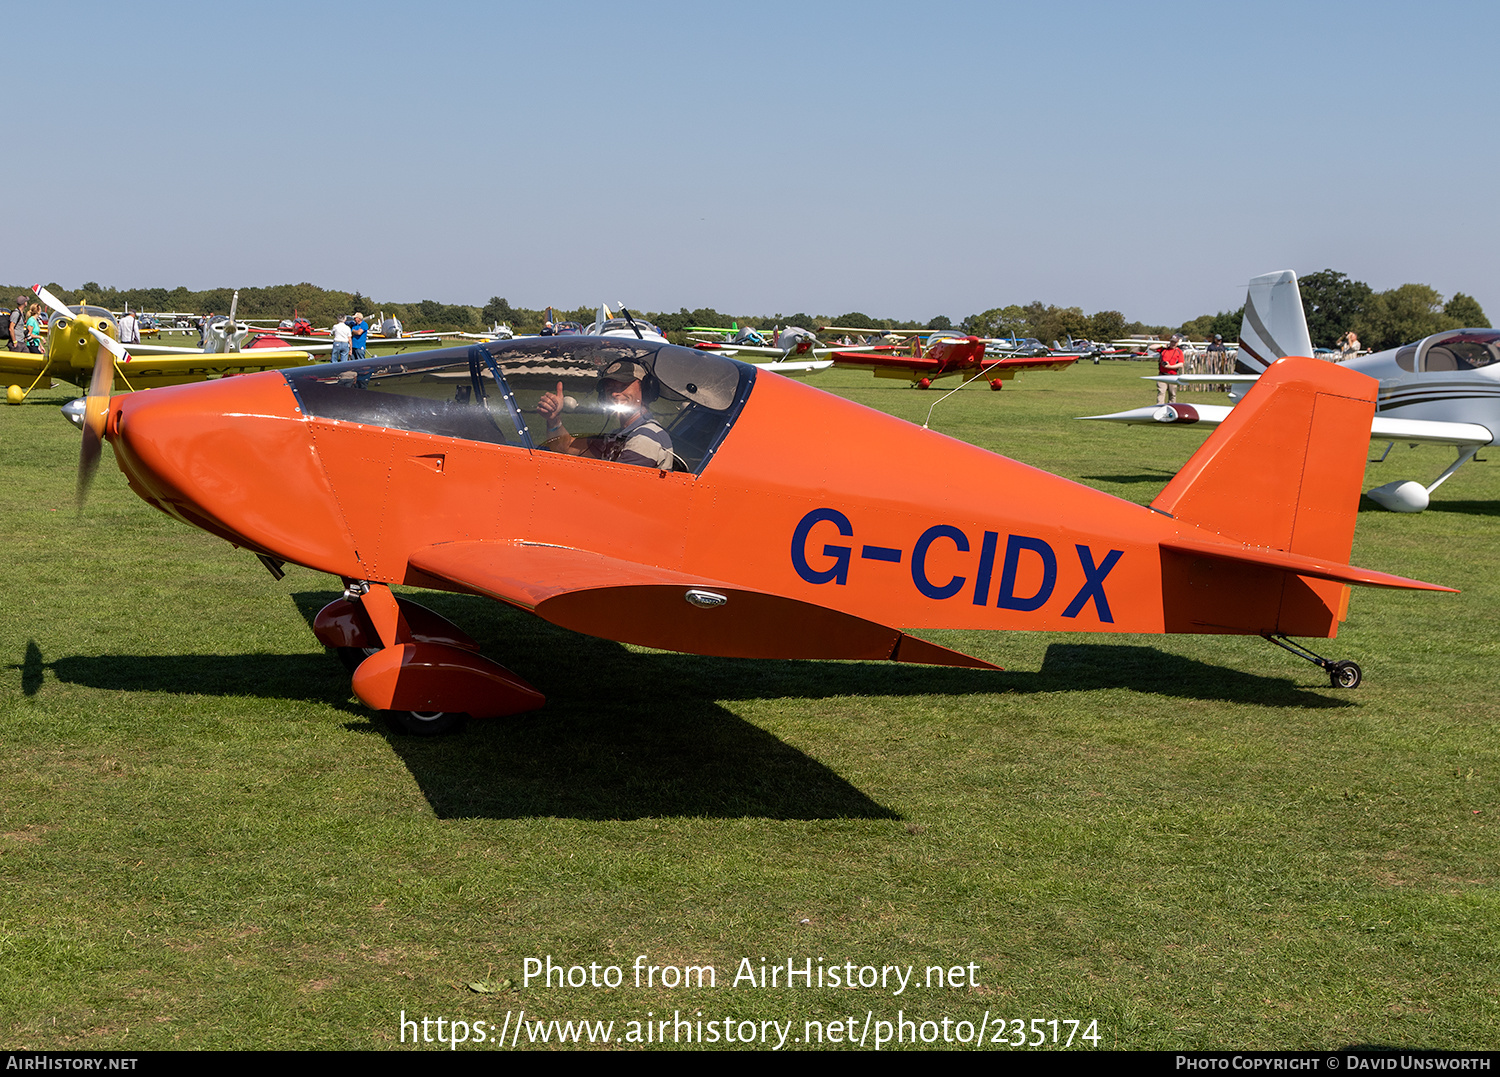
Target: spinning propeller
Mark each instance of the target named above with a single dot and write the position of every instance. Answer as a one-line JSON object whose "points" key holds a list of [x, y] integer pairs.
{"points": [[96, 404]]}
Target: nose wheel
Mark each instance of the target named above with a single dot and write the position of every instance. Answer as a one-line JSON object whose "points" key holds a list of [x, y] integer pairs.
{"points": [[425, 723], [1341, 674]]}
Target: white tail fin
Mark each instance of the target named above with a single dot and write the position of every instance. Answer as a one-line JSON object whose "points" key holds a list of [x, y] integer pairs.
{"points": [[1273, 326]]}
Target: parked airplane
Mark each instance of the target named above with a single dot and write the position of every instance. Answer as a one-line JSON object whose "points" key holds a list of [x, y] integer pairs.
{"points": [[948, 355], [436, 472], [1442, 390], [71, 351]]}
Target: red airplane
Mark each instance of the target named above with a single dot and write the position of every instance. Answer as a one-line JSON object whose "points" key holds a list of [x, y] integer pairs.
{"points": [[696, 504], [946, 357]]}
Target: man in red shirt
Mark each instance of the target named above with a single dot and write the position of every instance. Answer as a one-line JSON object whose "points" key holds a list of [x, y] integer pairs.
{"points": [[1170, 362]]}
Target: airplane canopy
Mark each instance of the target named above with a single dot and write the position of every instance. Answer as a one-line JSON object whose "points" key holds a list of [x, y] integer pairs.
{"points": [[1457, 349], [490, 392]]}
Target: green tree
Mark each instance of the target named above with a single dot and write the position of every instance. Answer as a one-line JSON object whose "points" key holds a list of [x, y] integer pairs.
{"points": [[1332, 303], [1106, 325], [1401, 316], [1466, 311]]}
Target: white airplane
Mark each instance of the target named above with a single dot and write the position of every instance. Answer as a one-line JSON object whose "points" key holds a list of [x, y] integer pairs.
{"points": [[1442, 390]]}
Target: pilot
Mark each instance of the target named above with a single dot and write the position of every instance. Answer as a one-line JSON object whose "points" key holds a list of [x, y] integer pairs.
{"points": [[624, 391]]}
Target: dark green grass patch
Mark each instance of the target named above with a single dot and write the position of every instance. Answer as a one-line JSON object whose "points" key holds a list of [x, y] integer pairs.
{"points": [[206, 842]]}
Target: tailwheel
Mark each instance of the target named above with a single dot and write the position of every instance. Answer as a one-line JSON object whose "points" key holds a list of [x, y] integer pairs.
{"points": [[1345, 675], [1341, 674], [425, 723]]}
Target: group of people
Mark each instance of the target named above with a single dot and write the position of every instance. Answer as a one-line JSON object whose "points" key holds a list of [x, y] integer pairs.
{"points": [[24, 326], [350, 335]]}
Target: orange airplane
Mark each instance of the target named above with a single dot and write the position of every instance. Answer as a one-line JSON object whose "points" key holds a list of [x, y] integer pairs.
{"points": [[945, 357], [693, 503]]}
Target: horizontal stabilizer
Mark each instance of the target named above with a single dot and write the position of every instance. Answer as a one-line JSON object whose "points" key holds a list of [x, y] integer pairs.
{"points": [[1429, 432], [1169, 414], [655, 607], [1202, 379], [1316, 567]]}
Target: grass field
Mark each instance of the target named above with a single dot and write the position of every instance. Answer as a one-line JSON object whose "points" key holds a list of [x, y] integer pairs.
{"points": [[206, 842]]}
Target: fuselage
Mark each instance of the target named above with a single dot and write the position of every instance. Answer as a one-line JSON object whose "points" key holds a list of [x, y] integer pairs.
{"points": [[1449, 377], [798, 493]]}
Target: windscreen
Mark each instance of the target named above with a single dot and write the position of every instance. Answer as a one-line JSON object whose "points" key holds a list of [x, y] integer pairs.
{"points": [[494, 393]]}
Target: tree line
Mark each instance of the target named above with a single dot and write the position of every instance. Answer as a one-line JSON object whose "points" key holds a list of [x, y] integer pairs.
{"points": [[1332, 302]]}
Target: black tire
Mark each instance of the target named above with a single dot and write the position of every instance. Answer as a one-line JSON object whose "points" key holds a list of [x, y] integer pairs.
{"points": [[425, 723], [1345, 675]]}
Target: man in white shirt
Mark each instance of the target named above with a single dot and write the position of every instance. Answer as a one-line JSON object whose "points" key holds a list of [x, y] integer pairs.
{"points": [[340, 341]]}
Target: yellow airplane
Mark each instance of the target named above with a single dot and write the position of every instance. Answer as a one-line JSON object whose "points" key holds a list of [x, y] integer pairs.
{"points": [[70, 352]]}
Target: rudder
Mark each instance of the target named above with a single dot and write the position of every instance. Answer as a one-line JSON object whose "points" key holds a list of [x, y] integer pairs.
{"points": [[1283, 472]]}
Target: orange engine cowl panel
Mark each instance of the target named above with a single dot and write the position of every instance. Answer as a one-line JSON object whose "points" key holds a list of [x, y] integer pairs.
{"points": [[235, 458]]}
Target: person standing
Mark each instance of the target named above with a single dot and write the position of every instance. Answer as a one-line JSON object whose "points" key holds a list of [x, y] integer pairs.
{"points": [[341, 341], [359, 332], [17, 328], [130, 331], [1217, 357], [1169, 362], [34, 328]]}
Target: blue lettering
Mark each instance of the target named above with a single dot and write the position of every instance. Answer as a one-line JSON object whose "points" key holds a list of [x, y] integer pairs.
{"points": [[986, 566], [919, 561], [881, 553], [1007, 599], [1093, 584], [839, 573]]}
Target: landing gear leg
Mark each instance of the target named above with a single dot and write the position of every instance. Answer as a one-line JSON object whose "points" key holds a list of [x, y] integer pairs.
{"points": [[1341, 674]]}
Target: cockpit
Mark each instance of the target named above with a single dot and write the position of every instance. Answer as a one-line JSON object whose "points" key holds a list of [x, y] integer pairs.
{"points": [[490, 392], [62, 321], [1459, 349]]}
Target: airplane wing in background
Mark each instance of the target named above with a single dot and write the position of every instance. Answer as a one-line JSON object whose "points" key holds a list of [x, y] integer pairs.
{"points": [[1019, 363], [1412, 431]]}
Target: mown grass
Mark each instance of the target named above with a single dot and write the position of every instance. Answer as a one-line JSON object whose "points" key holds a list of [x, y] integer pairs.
{"points": [[205, 842]]}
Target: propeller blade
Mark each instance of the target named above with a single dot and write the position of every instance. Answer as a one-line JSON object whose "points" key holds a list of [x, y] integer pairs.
{"points": [[51, 300], [95, 413], [103, 338], [88, 463]]}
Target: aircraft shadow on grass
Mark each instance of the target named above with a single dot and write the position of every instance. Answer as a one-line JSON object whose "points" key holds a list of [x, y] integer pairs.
{"points": [[1160, 478], [629, 735]]}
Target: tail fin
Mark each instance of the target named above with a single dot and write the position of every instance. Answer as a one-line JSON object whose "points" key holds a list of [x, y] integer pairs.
{"points": [[1282, 473], [1274, 325]]}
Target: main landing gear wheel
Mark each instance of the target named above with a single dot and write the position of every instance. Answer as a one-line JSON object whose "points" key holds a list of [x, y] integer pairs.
{"points": [[925, 383], [353, 656], [1345, 675], [425, 723]]}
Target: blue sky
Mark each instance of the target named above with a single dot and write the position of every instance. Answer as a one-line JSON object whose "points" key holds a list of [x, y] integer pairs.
{"points": [[898, 159]]}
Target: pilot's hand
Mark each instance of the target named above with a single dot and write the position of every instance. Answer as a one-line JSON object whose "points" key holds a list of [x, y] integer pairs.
{"points": [[551, 405]]}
